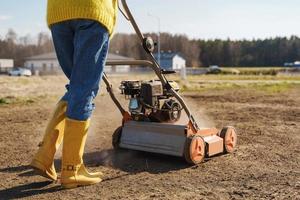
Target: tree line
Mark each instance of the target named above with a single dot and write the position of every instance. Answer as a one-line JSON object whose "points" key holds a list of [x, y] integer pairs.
{"points": [[197, 52], [19, 48], [227, 53]]}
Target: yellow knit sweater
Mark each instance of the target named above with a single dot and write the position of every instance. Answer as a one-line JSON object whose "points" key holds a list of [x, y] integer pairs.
{"points": [[103, 11]]}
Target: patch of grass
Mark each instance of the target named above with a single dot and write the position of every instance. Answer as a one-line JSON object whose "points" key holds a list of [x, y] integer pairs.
{"points": [[21, 100], [275, 88], [210, 86], [242, 77], [270, 71], [30, 99], [7, 100], [268, 87], [3, 101]]}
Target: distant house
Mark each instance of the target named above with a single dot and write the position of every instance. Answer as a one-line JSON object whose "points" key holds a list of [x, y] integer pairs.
{"points": [[6, 65], [171, 61], [43, 64], [48, 64]]}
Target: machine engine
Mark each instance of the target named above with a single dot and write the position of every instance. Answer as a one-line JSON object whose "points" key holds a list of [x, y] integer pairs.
{"points": [[149, 101]]}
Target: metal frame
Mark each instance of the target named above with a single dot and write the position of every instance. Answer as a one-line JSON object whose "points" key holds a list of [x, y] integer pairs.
{"points": [[150, 63], [170, 139]]}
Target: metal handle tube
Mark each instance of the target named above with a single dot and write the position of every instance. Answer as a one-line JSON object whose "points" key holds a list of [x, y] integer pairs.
{"points": [[112, 95], [132, 20], [157, 68], [141, 36], [129, 62]]}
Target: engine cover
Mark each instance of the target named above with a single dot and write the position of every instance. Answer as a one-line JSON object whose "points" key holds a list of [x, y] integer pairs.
{"points": [[150, 91]]}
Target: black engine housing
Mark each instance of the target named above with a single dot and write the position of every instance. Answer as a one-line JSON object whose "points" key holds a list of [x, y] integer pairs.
{"points": [[149, 101]]}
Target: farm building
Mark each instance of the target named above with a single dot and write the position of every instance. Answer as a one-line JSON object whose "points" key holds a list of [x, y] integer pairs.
{"points": [[6, 65], [171, 61], [48, 64]]}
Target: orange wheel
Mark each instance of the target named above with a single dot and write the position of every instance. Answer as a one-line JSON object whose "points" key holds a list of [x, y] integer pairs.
{"points": [[230, 139], [194, 149]]}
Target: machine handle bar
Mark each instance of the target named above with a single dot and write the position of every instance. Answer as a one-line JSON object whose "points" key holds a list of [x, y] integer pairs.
{"points": [[153, 64]]}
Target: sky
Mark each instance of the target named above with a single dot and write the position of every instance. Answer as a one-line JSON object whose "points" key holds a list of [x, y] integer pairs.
{"points": [[198, 19]]}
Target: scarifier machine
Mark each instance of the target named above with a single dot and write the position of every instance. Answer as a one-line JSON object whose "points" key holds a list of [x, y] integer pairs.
{"points": [[155, 106]]}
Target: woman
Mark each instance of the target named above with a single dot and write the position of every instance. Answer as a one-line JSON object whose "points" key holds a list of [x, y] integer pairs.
{"points": [[81, 30]]}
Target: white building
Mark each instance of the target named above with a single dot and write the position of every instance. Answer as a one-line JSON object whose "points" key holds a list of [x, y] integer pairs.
{"points": [[6, 65], [48, 64], [171, 61], [43, 63]]}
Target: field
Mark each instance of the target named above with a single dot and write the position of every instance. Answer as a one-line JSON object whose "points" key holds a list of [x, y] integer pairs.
{"points": [[264, 109]]}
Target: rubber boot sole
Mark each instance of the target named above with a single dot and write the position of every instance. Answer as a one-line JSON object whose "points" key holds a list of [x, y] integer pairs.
{"points": [[76, 185], [38, 171]]}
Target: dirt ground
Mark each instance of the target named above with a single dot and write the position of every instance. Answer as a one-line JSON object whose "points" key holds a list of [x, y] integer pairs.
{"points": [[265, 165]]}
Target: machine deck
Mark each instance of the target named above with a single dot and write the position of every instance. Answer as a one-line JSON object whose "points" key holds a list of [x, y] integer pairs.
{"points": [[175, 140], [154, 137]]}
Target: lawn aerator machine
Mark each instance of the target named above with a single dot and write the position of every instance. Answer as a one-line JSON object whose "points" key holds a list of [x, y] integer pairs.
{"points": [[155, 106]]}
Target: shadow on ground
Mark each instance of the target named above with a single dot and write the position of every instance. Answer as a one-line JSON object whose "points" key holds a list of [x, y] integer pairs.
{"points": [[131, 162], [15, 169], [29, 190], [134, 161]]}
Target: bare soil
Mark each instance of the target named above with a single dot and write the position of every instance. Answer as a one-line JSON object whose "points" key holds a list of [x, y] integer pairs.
{"points": [[265, 165]]}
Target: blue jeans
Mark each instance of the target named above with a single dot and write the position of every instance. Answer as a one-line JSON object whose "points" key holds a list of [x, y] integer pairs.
{"points": [[81, 46]]}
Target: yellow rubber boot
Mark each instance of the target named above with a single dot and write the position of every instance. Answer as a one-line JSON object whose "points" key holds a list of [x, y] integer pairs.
{"points": [[73, 173], [83, 170], [42, 162]]}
